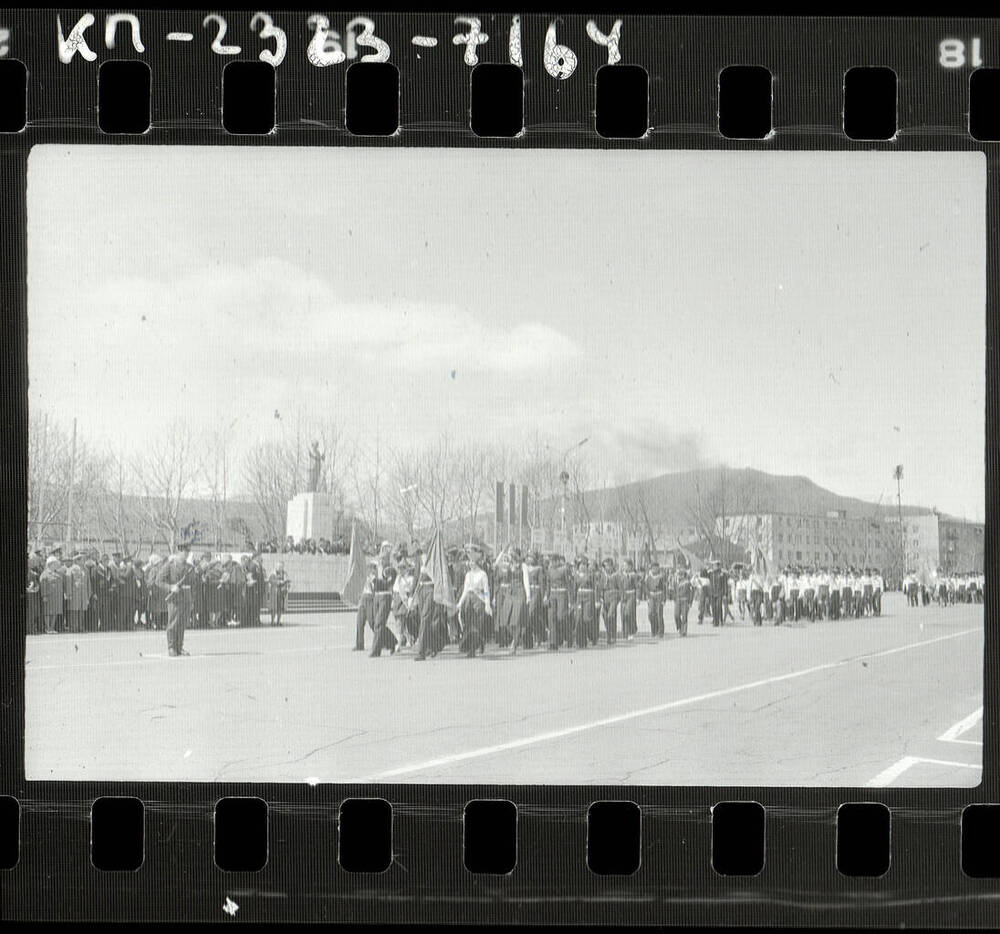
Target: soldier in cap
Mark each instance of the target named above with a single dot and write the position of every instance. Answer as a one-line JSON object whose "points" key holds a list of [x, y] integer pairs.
{"points": [[173, 580], [609, 589], [631, 593], [654, 588], [557, 584], [683, 595], [585, 608]]}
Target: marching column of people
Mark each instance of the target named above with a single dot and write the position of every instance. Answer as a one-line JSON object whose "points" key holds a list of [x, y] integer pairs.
{"points": [[516, 602]]}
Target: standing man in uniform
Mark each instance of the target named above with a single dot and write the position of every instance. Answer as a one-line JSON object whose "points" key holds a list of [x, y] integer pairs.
{"points": [[173, 579]]}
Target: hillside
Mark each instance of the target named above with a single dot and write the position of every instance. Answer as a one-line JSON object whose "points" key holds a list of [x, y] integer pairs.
{"points": [[671, 499]]}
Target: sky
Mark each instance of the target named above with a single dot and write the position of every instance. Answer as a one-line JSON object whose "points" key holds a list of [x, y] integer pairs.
{"points": [[806, 313]]}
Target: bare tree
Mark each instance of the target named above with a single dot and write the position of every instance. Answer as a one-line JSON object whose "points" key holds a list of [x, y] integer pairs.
{"points": [[119, 515], [403, 482], [367, 473], [270, 475], [166, 472], [216, 473], [472, 485], [52, 475]]}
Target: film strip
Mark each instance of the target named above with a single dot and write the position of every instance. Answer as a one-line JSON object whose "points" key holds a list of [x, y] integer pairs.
{"points": [[193, 237]]}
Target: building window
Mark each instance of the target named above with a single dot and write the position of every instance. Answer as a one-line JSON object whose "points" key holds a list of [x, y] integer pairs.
{"points": [[779, 552], [781, 537], [798, 556]]}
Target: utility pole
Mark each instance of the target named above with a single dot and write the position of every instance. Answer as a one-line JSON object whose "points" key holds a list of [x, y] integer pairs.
{"points": [[72, 484], [40, 505]]}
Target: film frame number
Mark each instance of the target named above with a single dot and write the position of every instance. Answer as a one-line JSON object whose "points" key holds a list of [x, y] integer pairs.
{"points": [[952, 53]]}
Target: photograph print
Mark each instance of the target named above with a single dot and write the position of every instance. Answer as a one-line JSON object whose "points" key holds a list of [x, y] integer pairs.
{"points": [[550, 466]]}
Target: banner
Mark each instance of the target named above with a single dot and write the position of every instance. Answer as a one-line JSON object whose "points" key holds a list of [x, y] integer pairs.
{"points": [[355, 582]]}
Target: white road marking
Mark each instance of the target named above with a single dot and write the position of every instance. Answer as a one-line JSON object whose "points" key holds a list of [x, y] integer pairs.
{"points": [[963, 726], [888, 776], [646, 711]]}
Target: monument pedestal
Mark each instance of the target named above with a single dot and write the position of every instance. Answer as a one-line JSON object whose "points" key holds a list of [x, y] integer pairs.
{"points": [[310, 515]]}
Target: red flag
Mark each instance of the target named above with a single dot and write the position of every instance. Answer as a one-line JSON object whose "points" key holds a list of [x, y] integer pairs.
{"points": [[355, 582], [436, 567]]}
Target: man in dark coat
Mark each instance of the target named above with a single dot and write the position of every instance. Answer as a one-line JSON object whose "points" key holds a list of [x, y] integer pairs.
{"points": [[557, 585], [51, 589], [718, 583], [173, 579]]}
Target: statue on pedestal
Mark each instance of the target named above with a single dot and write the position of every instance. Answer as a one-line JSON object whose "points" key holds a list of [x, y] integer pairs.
{"points": [[316, 458]]}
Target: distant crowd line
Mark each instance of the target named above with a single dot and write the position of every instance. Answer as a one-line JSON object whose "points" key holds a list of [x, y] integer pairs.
{"points": [[91, 592]]}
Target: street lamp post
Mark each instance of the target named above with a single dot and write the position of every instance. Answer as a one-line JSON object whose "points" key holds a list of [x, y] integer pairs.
{"points": [[898, 476], [564, 479]]}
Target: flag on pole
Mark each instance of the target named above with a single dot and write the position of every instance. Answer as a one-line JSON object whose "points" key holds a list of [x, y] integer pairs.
{"points": [[692, 560], [355, 582], [436, 567]]}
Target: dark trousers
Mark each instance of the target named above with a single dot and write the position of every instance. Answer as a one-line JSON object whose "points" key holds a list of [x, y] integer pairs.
{"points": [[610, 610], [558, 618], [756, 598], [585, 619], [794, 606], [655, 608], [717, 610], [178, 619], [366, 615], [681, 610], [629, 625], [472, 618], [384, 638]]}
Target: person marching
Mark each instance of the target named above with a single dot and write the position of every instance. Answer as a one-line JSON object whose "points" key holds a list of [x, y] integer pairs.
{"points": [[741, 586], [683, 594], [430, 636], [584, 611], [823, 594], [515, 619], [703, 588], [557, 585], [756, 588], [382, 585], [534, 576], [366, 609], [654, 587], [809, 595], [632, 583], [778, 599], [878, 585], [503, 583], [611, 586], [474, 604]]}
